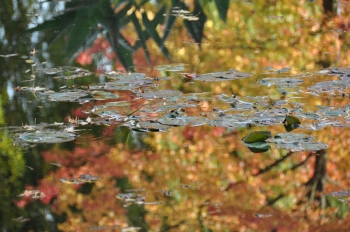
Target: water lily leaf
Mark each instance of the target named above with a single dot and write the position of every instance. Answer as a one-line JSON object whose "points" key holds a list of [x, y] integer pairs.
{"points": [[172, 121], [47, 137], [103, 95], [257, 136], [160, 94], [151, 126], [302, 146], [282, 82], [291, 123], [258, 147], [290, 138], [283, 70], [222, 76], [70, 96]]}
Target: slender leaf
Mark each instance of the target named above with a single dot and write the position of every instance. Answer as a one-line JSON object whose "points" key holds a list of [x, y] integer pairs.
{"points": [[141, 36], [78, 32], [151, 30], [222, 6], [195, 28]]}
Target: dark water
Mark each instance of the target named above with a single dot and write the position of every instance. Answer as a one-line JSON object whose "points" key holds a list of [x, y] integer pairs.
{"points": [[88, 145]]}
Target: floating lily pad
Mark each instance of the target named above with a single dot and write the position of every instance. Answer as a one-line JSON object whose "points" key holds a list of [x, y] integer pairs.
{"points": [[330, 86], [68, 96], [160, 94], [223, 76], [66, 72], [302, 146], [257, 136], [290, 138], [283, 82], [151, 126], [172, 121], [258, 147], [103, 95], [47, 137], [291, 123]]}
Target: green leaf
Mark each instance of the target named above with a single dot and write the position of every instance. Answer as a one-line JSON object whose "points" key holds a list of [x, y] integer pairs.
{"points": [[258, 147], [151, 30], [257, 136], [195, 28], [222, 6], [78, 32], [169, 24], [291, 123]]}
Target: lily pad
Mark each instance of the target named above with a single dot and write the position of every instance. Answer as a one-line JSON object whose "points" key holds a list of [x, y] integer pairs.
{"points": [[70, 96], [47, 137], [290, 138], [151, 126], [291, 123], [257, 136], [160, 94], [103, 95], [283, 82], [302, 146], [258, 147], [231, 74]]}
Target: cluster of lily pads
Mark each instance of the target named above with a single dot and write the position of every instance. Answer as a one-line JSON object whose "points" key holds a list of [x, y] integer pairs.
{"points": [[155, 109]]}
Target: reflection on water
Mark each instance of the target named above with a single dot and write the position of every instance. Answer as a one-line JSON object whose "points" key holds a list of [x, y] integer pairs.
{"points": [[247, 131]]}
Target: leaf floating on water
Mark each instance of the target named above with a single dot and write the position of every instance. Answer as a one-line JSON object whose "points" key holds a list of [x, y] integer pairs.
{"points": [[283, 70], [84, 178], [291, 123], [29, 61], [20, 219], [47, 137], [9, 55], [258, 147], [160, 94], [282, 82], [103, 95], [302, 146], [257, 136], [151, 127], [290, 138], [223, 76], [69, 96]]}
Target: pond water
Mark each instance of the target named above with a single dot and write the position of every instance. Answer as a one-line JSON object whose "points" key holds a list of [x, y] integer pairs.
{"points": [[174, 115]]}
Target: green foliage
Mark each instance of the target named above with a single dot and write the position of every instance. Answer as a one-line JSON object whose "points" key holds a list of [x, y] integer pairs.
{"points": [[80, 21]]}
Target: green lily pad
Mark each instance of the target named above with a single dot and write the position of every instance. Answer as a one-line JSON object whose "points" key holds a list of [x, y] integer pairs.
{"points": [[291, 123], [258, 147], [257, 136], [47, 137]]}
